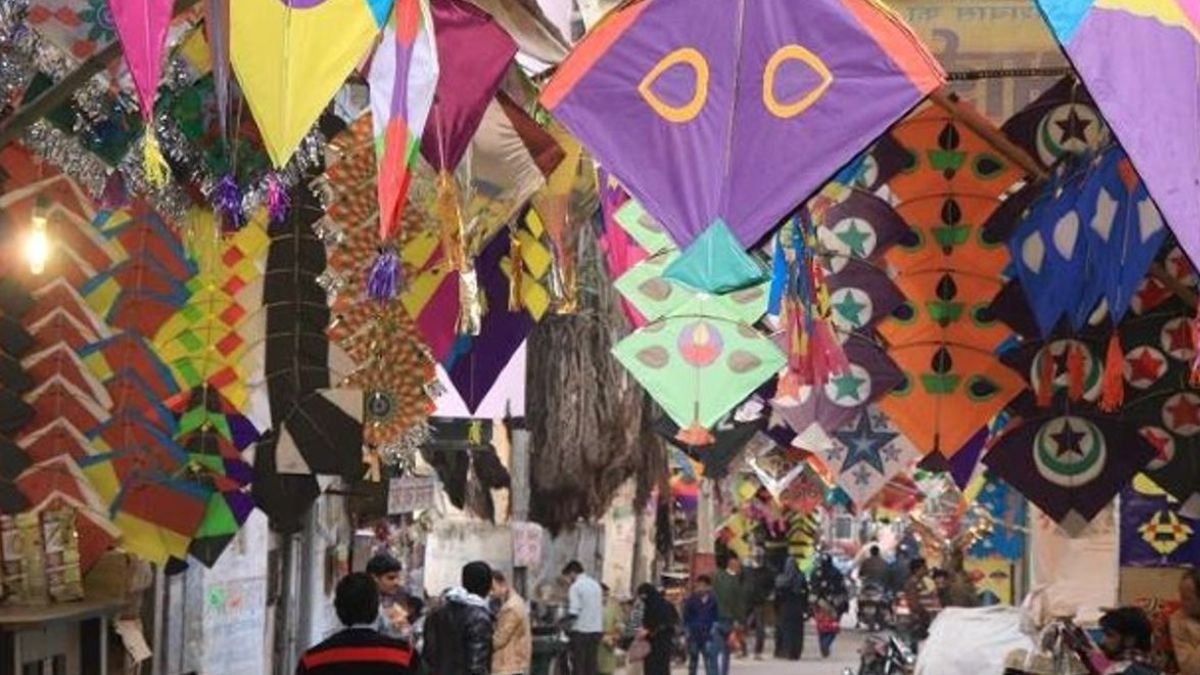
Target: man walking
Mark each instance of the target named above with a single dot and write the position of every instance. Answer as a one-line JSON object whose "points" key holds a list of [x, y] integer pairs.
{"points": [[585, 608], [731, 610], [458, 634], [699, 618], [358, 649], [512, 644]]}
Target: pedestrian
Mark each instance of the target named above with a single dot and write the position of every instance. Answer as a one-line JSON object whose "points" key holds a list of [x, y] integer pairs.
{"points": [[585, 609], [634, 618], [358, 649], [1185, 624], [1126, 643], [731, 610], [920, 594], [757, 584], [512, 641], [659, 620], [386, 572], [700, 620], [791, 610], [458, 634], [832, 601], [614, 620]]}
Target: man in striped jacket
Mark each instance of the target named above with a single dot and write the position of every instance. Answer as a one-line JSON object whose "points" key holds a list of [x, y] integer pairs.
{"points": [[358, 649]]}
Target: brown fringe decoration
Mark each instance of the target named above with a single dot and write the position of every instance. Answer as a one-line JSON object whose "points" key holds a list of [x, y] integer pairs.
{"points": [[590, 429]]}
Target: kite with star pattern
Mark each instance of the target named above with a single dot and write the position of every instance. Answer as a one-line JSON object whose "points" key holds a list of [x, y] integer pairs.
{"points": [[867, 453]]}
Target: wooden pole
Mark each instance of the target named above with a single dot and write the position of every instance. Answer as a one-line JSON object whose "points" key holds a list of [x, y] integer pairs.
{"points": [[58, 93], [950, 102]]}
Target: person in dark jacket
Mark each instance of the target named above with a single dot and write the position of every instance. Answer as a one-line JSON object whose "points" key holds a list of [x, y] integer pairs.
{"points": [[659, 620], [699, 619], [791, 609], [358, 649], [832, 601], [458, 634], [757, 584]]}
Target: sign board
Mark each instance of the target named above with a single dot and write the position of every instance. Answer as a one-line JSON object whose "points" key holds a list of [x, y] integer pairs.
{"points": [[527, 544], [411, 493]]}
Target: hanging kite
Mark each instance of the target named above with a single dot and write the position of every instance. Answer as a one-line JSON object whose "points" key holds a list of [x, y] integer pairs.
{"points": [[1154, 531], [1100, 38], [669, 68], [1062, 121], [402, 79], [866, 453], [142, 26], [943, 338], [292, 57]]}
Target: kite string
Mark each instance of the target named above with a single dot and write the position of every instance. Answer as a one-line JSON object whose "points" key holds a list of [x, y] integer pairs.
{"points": [[726, 164]]}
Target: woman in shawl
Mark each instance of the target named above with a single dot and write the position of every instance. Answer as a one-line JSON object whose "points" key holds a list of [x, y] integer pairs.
{"points": [[791, 608], [659, 620], [832, 601]]}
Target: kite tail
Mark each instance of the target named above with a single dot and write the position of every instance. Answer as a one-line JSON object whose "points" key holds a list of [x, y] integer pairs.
{"points": [[278, 201], [1195, 337], [516, 298], [449, 215], [1075, 372], [153, 163], [1113, 393], [384, 280], [227, 200], [470, 306], [1045, 388]]}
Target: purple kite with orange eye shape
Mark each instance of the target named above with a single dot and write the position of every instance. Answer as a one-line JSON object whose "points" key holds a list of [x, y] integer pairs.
{"points": [[725, 114]]}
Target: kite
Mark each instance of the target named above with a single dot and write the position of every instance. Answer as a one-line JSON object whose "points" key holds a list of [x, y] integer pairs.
{"points": [[1154, 532], [290, 61], [142, 27], [1089, 236], [653, 88], [1100, 38], [402, 79], [1062, 121], [943, 338], [730, 436], [866, 454]]}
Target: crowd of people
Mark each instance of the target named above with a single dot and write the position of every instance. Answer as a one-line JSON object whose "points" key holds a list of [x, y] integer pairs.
{"points": [[484, 627]]}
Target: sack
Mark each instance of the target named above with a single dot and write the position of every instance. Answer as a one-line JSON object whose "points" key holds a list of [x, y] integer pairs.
{"points": [[639, 649]]}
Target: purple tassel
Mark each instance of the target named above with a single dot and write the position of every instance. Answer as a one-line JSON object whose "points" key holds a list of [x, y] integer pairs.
{"points": [[115, 194], [278, 201], [227, 200], [384, 281]]}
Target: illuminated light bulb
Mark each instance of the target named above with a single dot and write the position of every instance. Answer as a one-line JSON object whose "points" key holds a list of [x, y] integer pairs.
{"points": [[37, 244]]}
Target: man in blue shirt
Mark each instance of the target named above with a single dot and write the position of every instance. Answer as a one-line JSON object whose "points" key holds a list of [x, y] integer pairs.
{"points": [[700, 618]]}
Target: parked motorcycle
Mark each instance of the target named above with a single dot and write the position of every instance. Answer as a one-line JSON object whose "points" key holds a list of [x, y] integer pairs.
{"points": [[885, 655]]}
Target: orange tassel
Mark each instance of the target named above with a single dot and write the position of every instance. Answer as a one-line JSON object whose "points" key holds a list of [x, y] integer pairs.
{"points": [[695, 435], [1113, 393], [1075, 372], [1045, 383], [1194, 333], [789, 386]]}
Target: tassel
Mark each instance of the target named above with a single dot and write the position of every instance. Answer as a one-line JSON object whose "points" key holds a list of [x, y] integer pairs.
{"points": [[695, 435], [516, 296], [1194, 332], [384, 280], [449, 215], [278, 200], [1113, 393], [227, 200], [115, 194], [1045, 383], [153, 164], [470, 309], [1074, 372], [788, 387], [475, 433], [827, 355]]}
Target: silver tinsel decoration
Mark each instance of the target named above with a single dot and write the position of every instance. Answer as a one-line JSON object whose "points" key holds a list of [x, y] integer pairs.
{"points": [[402, 453]]}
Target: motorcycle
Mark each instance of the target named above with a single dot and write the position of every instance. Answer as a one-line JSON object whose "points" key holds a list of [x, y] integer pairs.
{"points": [[882, 655], [875, 608]]}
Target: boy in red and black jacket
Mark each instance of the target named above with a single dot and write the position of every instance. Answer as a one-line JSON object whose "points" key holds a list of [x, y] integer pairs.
{"points": [[358, 649]]}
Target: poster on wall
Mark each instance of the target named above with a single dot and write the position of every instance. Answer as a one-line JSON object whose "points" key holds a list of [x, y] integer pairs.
{"points": [[411, 493], [993, 579], [1153, 532], [527, 544]]}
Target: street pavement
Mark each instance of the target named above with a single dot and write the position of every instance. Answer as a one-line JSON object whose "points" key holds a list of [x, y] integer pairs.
{"points": [[845, 655]]}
